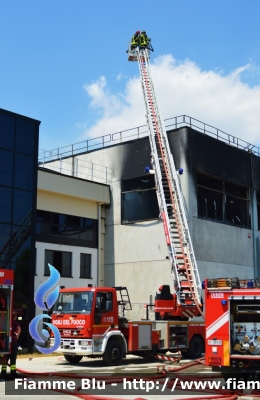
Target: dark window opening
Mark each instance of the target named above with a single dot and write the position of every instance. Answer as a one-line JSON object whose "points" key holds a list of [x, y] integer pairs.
{"points": [[61, 260], [85, 266], [104, 302], [7, 124], [258, 208], [210, 204], [222, 201], [139, 199], [237, 211], [66, 228], [6, 167], [209, 182]]}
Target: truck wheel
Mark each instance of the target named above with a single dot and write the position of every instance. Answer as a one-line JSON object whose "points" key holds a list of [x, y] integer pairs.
{"points": [[196, 348], [72, 359], [114, 353]]}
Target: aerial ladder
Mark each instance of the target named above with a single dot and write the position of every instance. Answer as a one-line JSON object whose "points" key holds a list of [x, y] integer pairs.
{"points": [[186, 302]]}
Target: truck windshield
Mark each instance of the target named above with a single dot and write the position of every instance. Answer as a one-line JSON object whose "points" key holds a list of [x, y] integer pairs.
{"points": [[74, 302]]}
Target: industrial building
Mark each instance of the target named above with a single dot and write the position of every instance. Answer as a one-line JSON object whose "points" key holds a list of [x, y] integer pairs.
{"points": [[221, 188], [94, 213]]}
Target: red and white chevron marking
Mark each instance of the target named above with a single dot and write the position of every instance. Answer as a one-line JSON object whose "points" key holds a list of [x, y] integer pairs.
{"points": [[163, 357]]}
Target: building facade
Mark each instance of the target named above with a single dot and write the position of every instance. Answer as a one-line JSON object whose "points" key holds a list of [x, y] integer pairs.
{"points": [[94, 216], [18, 187], [46, 217], [70, 229], [221, 188]]}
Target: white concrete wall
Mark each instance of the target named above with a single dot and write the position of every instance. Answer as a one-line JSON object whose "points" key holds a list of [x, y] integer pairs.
{"points": [[75, 280]]}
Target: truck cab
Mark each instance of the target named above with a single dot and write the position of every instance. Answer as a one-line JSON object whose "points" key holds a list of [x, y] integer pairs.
{"points": [[87, 318]]}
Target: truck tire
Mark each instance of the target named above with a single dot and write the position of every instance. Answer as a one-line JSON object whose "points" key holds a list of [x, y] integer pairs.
{"points": [[196, 348], [114, 353], [72, 359]]}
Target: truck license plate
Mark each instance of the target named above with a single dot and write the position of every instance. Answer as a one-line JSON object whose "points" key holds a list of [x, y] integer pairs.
{"points": [[215, 342], [66, 331]]}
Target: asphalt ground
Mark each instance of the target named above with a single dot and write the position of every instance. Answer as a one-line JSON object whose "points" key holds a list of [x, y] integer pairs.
{"points": [[55, 367]]}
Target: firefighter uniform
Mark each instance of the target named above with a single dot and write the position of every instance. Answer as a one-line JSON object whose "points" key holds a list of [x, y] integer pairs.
{"points": [[144, 40], [16, 330], [135, 41]]}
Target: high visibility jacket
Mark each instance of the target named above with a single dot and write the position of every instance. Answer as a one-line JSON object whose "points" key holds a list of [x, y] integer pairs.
{"points": [[135, 40], [143, 39]]}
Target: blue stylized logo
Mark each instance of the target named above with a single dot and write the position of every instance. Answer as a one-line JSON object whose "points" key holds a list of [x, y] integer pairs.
{"points": [[45, 301]]}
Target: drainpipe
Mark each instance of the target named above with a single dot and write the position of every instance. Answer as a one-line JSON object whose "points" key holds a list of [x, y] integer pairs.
{"points": [[100, 242]]}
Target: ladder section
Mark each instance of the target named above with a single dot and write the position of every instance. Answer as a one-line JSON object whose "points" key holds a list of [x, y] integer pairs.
{"points": [[183, 264], [124, 301]]}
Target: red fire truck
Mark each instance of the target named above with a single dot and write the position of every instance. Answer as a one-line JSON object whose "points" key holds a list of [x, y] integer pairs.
{"points": [[6, 304], [233, 327], [96, 328], [91, 326]]}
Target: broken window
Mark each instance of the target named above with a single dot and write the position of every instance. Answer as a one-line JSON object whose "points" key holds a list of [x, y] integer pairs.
{"points": [[222, 201], [258, 208], [139, 200], [210, 197]]}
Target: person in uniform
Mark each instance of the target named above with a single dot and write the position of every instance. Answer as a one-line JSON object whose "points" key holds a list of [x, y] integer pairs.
{"points": [[135, 40], [144, 40], [16, 330]]}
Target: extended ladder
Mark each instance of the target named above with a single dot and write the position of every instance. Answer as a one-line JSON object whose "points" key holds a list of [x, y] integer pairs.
{"points": [[171, 204]]}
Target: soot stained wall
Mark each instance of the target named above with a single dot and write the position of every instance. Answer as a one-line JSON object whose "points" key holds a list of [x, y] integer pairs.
{"points": [[136, 158], [213, 157]]}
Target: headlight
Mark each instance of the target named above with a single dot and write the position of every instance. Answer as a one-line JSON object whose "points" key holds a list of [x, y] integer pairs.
{"points": [[85, 343]]}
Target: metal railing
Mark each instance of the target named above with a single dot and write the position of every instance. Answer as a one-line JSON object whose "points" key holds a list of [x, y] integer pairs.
{"points": [[80, 168], [141, 131]]}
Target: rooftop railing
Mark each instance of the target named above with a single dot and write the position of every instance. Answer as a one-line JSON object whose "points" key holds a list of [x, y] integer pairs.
{"points": [[46, 156], [79, 168]]}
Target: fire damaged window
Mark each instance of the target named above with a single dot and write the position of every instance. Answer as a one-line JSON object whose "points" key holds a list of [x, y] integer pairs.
{"points": [[139, 200], [258, 208], [222, 201]]}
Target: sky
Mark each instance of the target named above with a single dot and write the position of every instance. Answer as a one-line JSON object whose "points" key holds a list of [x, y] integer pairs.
{"points": [[64, 62]]}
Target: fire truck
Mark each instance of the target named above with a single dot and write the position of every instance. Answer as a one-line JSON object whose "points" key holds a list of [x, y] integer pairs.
{"points": [[90, 325], [96, 328], [233, 329], [6, 304]]}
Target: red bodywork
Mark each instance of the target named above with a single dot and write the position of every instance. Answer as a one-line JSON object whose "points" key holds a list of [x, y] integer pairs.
{"points": [[230, 321], [6, 307], [140, 336], [166, 305], [85, 324]]}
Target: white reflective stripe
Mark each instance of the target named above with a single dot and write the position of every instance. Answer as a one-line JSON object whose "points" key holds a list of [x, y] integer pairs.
{"points": [[217, 324], [187, 313]]}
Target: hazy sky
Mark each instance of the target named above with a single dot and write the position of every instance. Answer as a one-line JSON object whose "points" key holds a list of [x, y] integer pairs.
{"points": [[64, 63]]}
